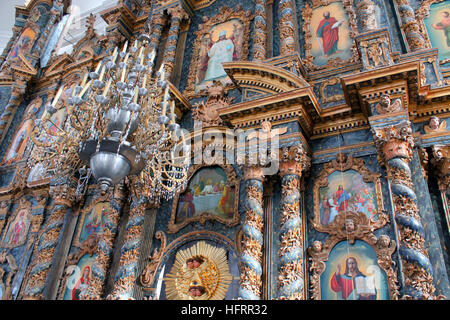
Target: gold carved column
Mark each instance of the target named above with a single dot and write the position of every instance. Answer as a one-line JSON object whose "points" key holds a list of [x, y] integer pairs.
{"points": [[287, 27], [441, 163], [47, 241], [410, 25], [291, 276], [260, 31], [395, 146], [253, 225], [176, 15], [127, 272]]}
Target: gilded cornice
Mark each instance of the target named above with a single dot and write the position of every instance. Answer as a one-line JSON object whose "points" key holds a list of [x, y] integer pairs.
{"points": [[298, 97], [253, 74]]}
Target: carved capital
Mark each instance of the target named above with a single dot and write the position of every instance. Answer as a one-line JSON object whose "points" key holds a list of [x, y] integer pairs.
{"points": [[177, 13], [394, 141], [253, 172], [294, 160], [63, 195]]}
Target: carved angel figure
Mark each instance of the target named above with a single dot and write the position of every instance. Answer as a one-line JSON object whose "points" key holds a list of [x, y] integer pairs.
{"points": [[435, 125], [266, 132], [386, 106]]}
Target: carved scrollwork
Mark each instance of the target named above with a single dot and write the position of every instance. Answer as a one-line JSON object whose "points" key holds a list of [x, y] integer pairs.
{"points": [[148, 275]]}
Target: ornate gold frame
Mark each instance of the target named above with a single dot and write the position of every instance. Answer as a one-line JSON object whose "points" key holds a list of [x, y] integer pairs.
{"points": [[421, 13], [383, 246], [85, 212], [24, 204], [232, 181], [343, 163], [225, 14], [307, 15]]}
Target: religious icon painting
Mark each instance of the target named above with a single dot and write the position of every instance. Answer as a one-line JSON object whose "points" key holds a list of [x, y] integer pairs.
{"points": [[347, 191], [437, 25], [222, 38], [80, 278], [92, 221], [19, 142], [329, 28], [352, 273], [211, 194], [223, 43], [346, 185], [17, 228], [24, 43]]}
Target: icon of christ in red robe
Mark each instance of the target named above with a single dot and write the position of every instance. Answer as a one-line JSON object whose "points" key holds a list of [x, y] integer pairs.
{"points": [[344, 284], [328, 31]]}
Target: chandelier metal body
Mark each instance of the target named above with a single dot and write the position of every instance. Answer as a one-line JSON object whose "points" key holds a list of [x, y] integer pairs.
{"points": [[117, 124]]}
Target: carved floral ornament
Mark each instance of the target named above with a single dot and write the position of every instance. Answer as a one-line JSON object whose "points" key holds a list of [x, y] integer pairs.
{"points": [[363, 224], [232, 182], [225, 14], [348, 228], [307, 14]]}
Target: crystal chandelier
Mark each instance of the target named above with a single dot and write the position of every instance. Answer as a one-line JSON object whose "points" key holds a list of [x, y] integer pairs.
{"points": [[119, 123]]}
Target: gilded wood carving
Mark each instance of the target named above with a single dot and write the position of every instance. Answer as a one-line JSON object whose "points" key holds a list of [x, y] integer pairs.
{"points": [[217, 189], [200, 272]]}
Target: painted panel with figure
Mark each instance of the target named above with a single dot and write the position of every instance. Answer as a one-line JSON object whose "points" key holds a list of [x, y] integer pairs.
{"points": [[17, 230], [20, 140], [331, 31], [80, 278], [24, 43], [329, 28], [352, 273], [222, 43], [92, 221], [347, 191], [438, 28], [207, 193], [219, 39], [211, 193]]}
